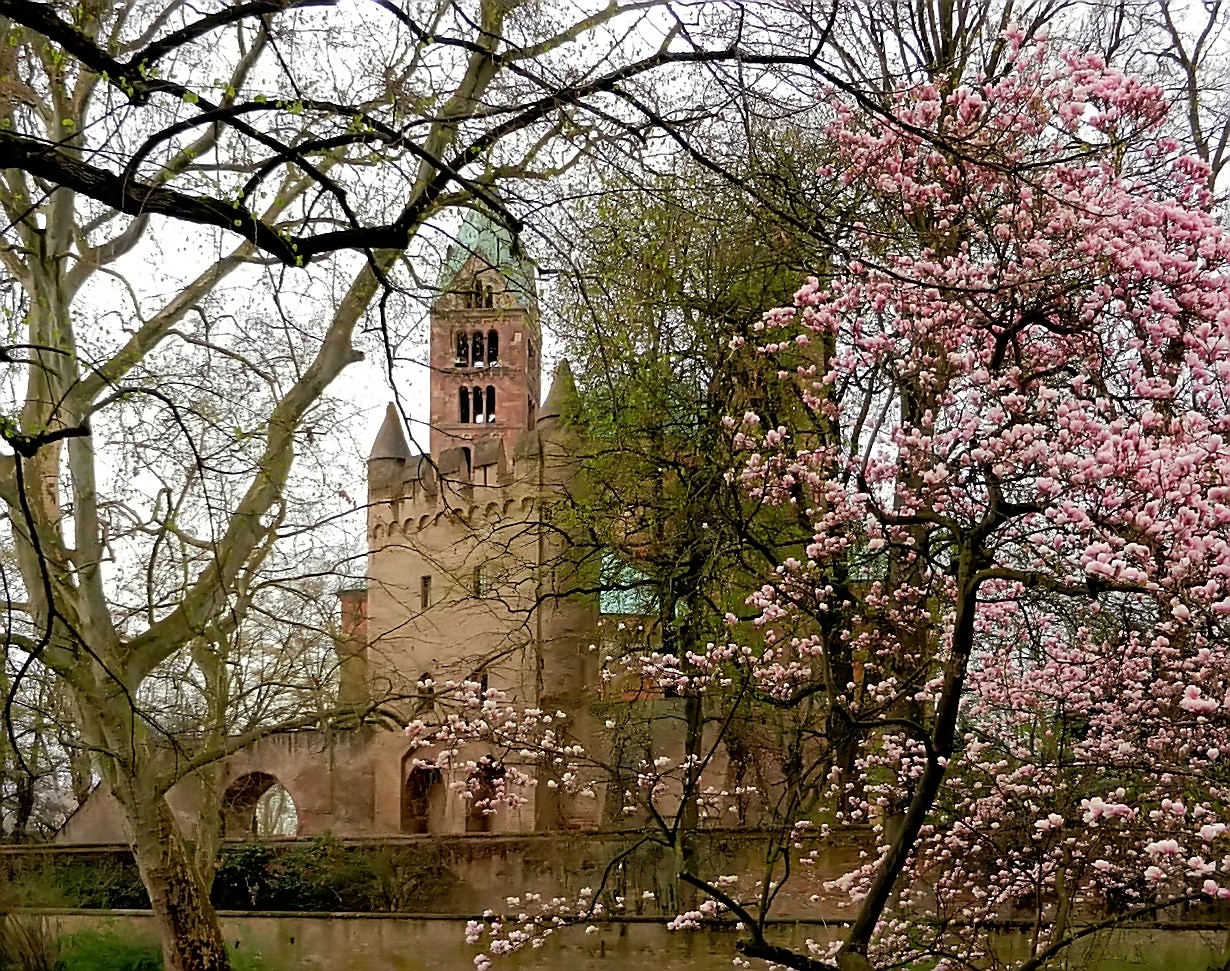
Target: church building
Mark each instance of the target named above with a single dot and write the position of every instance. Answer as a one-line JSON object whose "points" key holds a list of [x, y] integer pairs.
{"points": [[467, 581]]}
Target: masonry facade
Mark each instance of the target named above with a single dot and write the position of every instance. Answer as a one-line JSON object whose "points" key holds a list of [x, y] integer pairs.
{"points": [[470, 579], [466, 580]]}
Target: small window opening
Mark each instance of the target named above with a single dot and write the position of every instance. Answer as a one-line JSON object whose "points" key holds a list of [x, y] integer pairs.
{"points": [[462, 356], [477, 355], [529, 413], [482, 685], [463, 405], [490, 295], [478, 405], [531, 351], [424, 591], [490, 403], [493, 348]]}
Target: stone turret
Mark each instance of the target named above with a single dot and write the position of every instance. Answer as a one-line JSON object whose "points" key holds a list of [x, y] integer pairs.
{"points": [[561, 399], [386, 463], [567, 667], [547, 452]]}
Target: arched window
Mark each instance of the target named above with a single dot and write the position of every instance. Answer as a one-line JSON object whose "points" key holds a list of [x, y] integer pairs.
{"points": [[478, 405], [463, 405], [478, 292], [490, 301], [493, 348], [490, 403], [462, 356], [477, 356]]}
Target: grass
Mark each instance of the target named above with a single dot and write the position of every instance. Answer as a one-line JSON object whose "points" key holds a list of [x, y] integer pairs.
{"points": [[26, 944]]}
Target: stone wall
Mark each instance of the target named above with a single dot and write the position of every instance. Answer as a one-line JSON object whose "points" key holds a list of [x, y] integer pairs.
{"points": [[479, 872], [362, 943], [331, 778]]}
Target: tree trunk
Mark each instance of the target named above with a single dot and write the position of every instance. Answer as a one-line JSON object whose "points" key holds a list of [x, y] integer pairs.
{"points": [[187, 924]]}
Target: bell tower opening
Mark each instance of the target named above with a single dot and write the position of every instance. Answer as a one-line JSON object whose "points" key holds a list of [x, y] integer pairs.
{"points": [[485, 377]]}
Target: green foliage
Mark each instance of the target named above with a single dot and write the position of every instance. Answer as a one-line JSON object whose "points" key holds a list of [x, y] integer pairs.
{"points": [[95, 881], [242, 876], [326, 875], [664, 278], [322, 875], [109, 884]]}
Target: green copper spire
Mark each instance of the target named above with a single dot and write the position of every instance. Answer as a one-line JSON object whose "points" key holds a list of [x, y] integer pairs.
{"points": [[492, 243]]}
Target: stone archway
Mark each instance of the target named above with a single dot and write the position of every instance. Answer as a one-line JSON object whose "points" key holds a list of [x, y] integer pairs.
{"points": [[421, 791], [257, 805]]}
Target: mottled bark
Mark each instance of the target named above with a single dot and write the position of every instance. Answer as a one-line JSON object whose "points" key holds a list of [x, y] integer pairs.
{"points": [[187, 923]]}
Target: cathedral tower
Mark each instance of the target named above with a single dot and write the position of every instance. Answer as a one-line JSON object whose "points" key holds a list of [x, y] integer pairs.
{"points": [[485, 340]]}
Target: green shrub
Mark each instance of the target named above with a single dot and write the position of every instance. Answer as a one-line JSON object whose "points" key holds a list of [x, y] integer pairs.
{"points": [[327, 875], [103, 881], [31, 887], [241, 880], [106, 884]]}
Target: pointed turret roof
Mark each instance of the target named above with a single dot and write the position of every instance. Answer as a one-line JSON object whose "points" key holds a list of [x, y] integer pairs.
{"points": [[482, 236], [390, 441], [563, 391]]}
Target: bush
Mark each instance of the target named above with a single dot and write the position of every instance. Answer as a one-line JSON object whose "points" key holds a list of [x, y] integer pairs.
{"points": [[106, 884], [94, 881], [321, 875], [327, 875], [241, 880]]}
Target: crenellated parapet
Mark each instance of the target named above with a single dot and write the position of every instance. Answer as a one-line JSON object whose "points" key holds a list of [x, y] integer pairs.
{"points": [[475, 516], [477, 484]]}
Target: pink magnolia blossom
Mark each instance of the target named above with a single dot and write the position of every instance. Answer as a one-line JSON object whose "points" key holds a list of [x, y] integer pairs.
{"points": [[1002, 638]]}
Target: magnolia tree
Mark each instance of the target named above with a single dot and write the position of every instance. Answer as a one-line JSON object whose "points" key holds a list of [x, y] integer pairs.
{"points": [[207, 211], [1017, 475]]}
